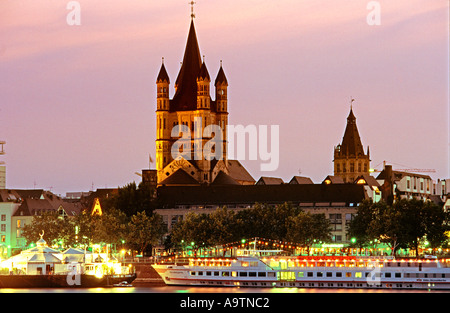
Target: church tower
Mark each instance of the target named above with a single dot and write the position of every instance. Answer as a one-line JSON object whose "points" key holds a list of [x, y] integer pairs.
{"points": [[350, 161], [192, 109]]}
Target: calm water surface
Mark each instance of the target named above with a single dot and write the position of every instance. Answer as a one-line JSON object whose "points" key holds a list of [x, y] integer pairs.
{"points": [[187, 289]]}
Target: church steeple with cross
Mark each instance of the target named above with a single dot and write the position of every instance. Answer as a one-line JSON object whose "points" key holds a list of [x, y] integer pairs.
{"points": [[350, 161], [191, 102]]}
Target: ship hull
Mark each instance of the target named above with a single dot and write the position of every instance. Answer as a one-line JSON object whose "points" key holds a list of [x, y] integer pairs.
{"points": [[309, 273], [62, 281]]}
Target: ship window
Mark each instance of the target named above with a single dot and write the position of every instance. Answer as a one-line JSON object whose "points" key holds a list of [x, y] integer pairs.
{"points": [[338, 274], [310, 274], [300, 274], [271, 274], [208, 273], [358, 275], [216, 273], [243, 274], [200, 273], [348, 274], [398, 275], [319, 274], [192, 273], [261, 274], [329, 274], [387, 275], [252, 274], [225, 274], [234, 274]]}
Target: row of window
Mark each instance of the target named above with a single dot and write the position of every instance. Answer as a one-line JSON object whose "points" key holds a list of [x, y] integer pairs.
{"points": [[352, 167], [232, 274], [344, 285], [288, 275]]}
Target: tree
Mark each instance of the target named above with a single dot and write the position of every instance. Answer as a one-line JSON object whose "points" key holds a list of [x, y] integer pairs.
{"points": [[144, 230], [359, 227], [132, 199], [263, 220], [57, 230], [403, 224], [306, 228], [193, 228], [223, 226]]}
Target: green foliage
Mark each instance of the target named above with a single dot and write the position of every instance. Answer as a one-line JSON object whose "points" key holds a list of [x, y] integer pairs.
{"points": [[306, 229], [132, 199], [56, 229], [404, 224], [224, 226], [144, 230]]}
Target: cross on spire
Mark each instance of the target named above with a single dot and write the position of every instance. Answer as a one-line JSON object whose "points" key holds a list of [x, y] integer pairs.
{"points": [[192, 9]]}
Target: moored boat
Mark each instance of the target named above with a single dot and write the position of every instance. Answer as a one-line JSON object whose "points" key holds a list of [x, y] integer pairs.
{"points": [[266, 268], [44, 267]]}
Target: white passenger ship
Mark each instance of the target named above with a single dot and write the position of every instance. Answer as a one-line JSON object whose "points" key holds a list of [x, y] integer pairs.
{"points": [[264, 268]]}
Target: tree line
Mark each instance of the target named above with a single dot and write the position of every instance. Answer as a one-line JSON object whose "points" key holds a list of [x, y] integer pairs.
{"points": [[282, 222], [401, 225]]}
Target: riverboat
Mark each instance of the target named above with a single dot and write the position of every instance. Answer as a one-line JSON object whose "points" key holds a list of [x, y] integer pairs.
{"points": [[267, 268], [44, 267]]}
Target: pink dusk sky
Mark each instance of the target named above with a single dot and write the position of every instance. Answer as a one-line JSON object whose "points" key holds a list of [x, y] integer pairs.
{"points": [[78, 103]]}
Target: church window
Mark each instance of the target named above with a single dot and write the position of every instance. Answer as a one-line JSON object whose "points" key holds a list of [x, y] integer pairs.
{"points": [[338, 168], [359, 166], [352, 167], [365, 167], [344, 168]]}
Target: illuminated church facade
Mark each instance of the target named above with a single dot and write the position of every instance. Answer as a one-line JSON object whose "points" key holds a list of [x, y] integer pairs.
{"points": [[194, 111]]}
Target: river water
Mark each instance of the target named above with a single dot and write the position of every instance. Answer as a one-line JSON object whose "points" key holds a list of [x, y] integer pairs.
{"points": [[210, 290], [218, 299]]}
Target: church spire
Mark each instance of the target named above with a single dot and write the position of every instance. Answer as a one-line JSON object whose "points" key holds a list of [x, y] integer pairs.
{"points": [[350, 161], [185, 97], [351, 141]]}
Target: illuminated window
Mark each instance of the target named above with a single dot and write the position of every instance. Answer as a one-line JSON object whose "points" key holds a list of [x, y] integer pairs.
{"points": [[358, 275], [348, 274]]}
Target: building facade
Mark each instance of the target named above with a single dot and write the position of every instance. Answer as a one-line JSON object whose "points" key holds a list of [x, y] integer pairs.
{"points": [[17, 209], [338, 202]]}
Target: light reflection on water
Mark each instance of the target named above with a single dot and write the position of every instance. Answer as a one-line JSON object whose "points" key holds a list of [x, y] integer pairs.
{"points": [[188, 289]]}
